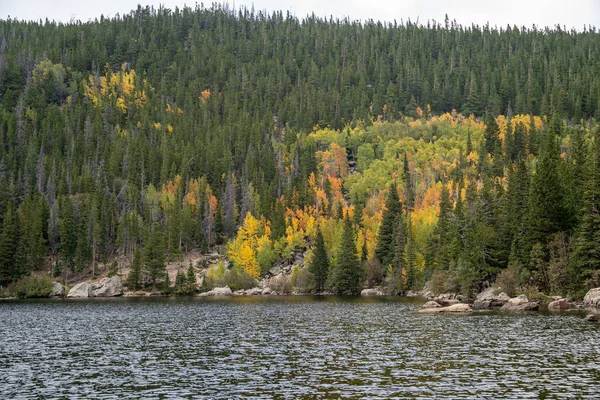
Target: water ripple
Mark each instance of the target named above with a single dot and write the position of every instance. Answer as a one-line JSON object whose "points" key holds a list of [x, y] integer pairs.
{"points": [[289, 348]]}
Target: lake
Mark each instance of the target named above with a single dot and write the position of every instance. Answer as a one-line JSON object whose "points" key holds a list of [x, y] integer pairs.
{"points": [[289, 348]]}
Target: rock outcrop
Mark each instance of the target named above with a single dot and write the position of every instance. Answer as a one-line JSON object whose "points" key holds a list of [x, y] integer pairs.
{"points": [[108, 287], [431, 304], [253, 292], [220, 291], [422, 293], [455, 308], [487, 300], [58, 290], [559, 305], [372, 292], [448, 299], [592, 298], [81, 290], [520, 303]]}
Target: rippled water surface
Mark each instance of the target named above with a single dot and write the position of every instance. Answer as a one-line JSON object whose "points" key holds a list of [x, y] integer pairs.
{"points": [[294, 347]]}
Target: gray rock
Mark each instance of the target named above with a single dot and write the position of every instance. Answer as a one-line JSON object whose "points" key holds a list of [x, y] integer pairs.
{"points": [[592, 318], [108, 287], [58, 290], [488, 300], [266, 291], [80, 290], [559, 305], [220, 291], [275, 270], [520, 303], [372, 292], [431, 304], [254, 291], [455, 308], [592, 298]]}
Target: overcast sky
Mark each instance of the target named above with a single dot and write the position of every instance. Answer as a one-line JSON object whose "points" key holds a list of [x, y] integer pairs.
{"points": [[572, 13]]}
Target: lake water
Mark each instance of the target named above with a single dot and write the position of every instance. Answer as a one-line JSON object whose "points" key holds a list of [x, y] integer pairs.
{"points": [[289, 348]]}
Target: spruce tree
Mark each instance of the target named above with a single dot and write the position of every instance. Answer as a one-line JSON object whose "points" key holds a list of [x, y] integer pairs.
{"points": [[181, 282], [385, 238], [586, 257], [153, 257], [135, 272], [409, 194], [67, 247], [191, 279], [348, 268], [8, 246], [320, 263], [547, 212]]}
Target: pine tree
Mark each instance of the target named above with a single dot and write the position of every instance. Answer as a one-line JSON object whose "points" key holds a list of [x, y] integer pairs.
{"points": [[385, 237], [348, 269], [491, 135], [135, 272], [191, 279], [547, 211], [400, 239], [409, 194], [181, 282], [67, 247], [444, 228], [153, 257], [320, 263], [586, 257], [8, 246]]}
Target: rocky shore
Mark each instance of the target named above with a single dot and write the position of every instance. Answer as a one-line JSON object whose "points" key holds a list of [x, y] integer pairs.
{"points": [[277, 283]]}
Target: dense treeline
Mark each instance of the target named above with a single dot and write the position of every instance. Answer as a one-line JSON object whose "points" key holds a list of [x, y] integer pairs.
{"points": [[166, 131]]}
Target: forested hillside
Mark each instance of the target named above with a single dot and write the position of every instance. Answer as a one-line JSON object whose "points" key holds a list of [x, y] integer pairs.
{"points": [[397, 154]]}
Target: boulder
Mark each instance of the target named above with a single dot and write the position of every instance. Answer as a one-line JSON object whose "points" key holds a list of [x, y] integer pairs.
{"points": [[431, 304], [58, 290], [592, 298], [448, 299], [372, 292], [488, 300], [108, 287], [276, 270], [447, 302], [254, 291], [592, 318], [220, 291], [265, 291], [80, 290], [559, 305], [455, 308], [520, 303], [240, 292]]}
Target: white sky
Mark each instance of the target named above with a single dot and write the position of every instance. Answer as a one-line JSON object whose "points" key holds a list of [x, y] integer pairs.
{"points": [[571, 14]]}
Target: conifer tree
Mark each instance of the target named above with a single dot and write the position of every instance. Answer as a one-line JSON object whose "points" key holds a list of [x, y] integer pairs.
{"points": [[348, 269], [135, 272], [67, 247], [586, 257], [409, 194], [385, 237], [320, 263], [191, 279], [153, 257], [8, 246]]}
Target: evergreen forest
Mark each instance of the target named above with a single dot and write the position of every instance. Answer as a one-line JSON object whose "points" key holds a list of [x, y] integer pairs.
{"points": [[392, 154]]}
